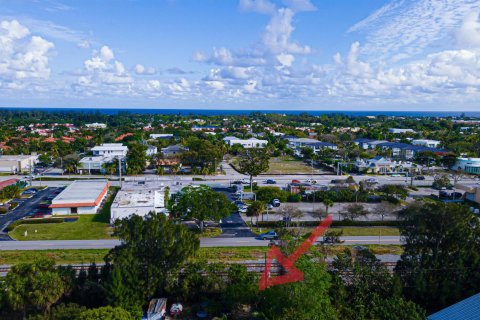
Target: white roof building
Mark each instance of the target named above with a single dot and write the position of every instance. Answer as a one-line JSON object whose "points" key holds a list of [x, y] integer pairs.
{"points": [[80, 197], [398, 131], [161, 135], [96, 125], [426, 143], [246, 143], [17, 163], [140, 198], [110, 149]]}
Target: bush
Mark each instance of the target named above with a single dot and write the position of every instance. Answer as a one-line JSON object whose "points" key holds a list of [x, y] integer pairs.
{"points": [[341, 195], [294, 198], [3, 210]]}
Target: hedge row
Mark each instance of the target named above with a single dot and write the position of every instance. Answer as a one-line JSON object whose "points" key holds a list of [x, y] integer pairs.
{"points": [[13, 225], [342, 223]]}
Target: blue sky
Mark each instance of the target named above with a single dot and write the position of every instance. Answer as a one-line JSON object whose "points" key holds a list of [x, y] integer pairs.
{"points": [[234, 54]]}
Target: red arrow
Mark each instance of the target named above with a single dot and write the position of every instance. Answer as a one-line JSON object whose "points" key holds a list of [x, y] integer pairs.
{"points": [[288, 263]]}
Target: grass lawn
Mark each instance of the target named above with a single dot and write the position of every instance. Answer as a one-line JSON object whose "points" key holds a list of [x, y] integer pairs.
{"points": [[87, 227], [369, 231], [289, 165], [60, 256]]}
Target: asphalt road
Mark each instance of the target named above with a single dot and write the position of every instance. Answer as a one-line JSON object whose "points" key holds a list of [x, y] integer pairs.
{"points": [[206, 242]]}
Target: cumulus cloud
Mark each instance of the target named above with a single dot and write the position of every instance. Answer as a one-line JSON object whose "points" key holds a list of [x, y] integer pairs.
{"points": [[469, 33], [23, 58], [140, 69]]}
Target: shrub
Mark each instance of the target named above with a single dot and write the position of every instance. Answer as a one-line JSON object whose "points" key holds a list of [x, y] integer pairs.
{"points": [[294, 198], [267, 194]]}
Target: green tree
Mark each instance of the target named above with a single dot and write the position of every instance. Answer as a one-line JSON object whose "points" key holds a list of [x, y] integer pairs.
{"points": [[33, 286], [253, 162], [441, 181], [440, 262], [363, 289], [327, 202], [201, 203], [353, 211], [255, 209], [153, 250], [304, 300], [267, 194], [106, 313], [136, 158]]}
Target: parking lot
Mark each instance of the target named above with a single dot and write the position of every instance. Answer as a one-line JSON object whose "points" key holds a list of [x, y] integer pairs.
{"points": [[35, 205]]}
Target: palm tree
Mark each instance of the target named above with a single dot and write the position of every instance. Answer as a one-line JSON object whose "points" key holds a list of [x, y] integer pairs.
{"points": [[328, 203]]}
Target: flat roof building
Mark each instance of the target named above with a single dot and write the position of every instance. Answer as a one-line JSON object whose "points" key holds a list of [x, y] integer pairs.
{"points": [[80, 197], [246, 143], [140, 198], [110, 149], [17, 163]]}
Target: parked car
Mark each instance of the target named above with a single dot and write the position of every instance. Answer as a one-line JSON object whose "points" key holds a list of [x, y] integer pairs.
{"points": [[270, 181], [239, 203], [269, 207], [276, 203], [270, 235], [243, 209], [419, 178]]}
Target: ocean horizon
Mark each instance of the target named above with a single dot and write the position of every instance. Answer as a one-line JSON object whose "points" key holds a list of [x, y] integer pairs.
{"points": [[219, 112]]}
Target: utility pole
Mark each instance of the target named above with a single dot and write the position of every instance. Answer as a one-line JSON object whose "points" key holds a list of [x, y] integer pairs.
{"points": [[120, 171]]}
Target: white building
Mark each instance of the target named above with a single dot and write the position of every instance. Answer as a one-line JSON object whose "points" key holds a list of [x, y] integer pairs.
{"points": [[17, 163], [140, 198], [161, 135], [400, 131], [90, 165], [246, 143], [426, 143], [80, 197], [96, 125], [467, 165], [151, 151], [295, 143], [110, 149]]}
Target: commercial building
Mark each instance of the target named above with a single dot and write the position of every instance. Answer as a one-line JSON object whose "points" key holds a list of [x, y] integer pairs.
{"points": [[110, 149], [462, 310], [80, 197], [140, 198], [246, 143], [467, 165], [16, 164], [381, 165]]}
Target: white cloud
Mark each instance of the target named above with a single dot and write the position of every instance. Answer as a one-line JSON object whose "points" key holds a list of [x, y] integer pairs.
{"points": [[142, 70], [469, 33], [276, 37], [259, 6], [84, 44], [300, 5], [23, 58], [405, 29]]}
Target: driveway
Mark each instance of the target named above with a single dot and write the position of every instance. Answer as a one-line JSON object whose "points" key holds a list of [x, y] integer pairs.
{"points": [[235, 227]]}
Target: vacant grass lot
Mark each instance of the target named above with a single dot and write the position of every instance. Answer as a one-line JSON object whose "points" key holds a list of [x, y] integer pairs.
{"points": [[87, 227], [60, 256], [221, 254], [289, 165]]}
